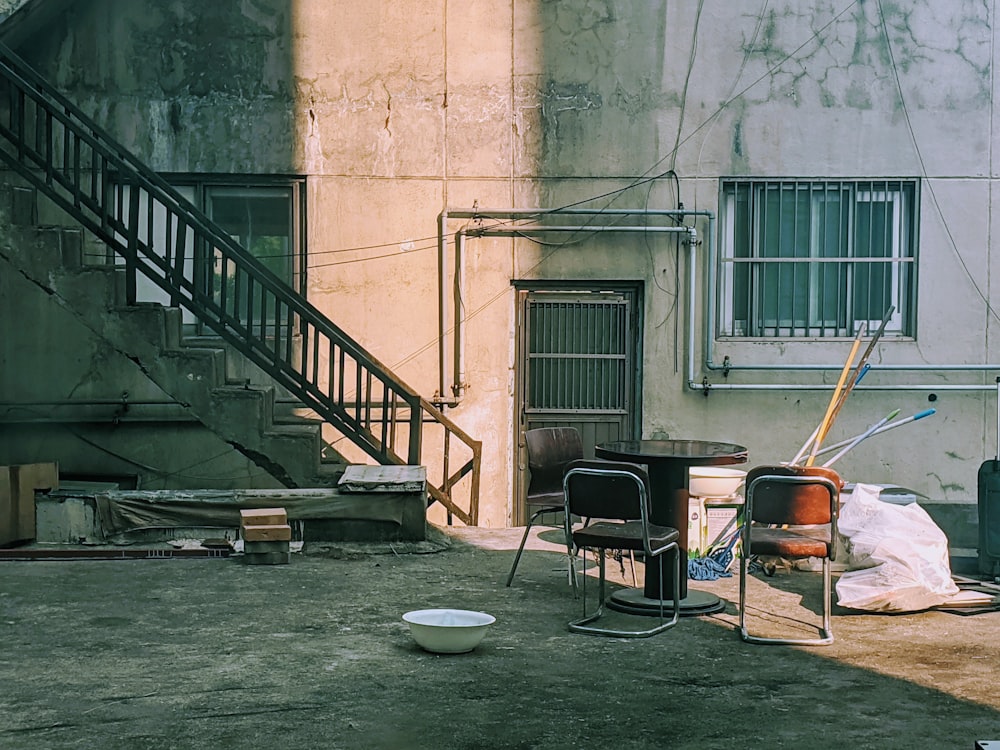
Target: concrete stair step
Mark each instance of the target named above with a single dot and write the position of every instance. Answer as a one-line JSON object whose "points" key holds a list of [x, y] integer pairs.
{"points": [[238, 368], [248, 408], [297, 448], [190, 375], [89, 288], [41, 250], [148, 322]]}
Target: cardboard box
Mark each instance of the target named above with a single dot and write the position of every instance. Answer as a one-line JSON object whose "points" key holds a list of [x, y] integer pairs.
{"points": [[696, 525], [720, 522]]}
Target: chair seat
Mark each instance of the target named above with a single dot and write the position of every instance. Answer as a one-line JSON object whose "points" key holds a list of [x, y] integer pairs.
{"points": [[546, 499], [626, 535], [791, 543]]}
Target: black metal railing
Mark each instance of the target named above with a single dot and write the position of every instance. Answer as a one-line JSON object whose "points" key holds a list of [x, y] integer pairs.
{"points": [[159, 235]]}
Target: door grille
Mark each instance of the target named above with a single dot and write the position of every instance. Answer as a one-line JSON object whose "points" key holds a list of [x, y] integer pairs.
{"points": [[578, 355]]}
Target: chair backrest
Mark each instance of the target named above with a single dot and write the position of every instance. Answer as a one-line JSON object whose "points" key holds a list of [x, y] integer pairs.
{"points": [[607, 489], [550, 449], [798, 504]]}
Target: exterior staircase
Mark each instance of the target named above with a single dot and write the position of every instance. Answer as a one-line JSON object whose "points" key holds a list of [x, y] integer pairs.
{"points": [[55, 151], [150, 335]]}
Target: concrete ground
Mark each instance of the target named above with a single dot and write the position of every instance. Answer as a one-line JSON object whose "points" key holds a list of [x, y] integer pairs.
{"points": [[213, 653]]}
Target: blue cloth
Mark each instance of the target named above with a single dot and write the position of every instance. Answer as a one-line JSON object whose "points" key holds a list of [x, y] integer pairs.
{"points": [[706, 569]]}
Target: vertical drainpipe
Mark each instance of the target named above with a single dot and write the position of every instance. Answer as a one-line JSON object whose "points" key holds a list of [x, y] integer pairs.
{"points": [[709, 328], [692, 296], [442, 302], [458, 387]]}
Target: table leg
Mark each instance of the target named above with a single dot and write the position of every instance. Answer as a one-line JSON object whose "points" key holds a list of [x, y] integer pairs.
{"points": [[668, 481]]}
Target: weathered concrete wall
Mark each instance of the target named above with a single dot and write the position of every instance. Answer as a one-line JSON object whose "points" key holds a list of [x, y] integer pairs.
{"points": [[397, 109]]}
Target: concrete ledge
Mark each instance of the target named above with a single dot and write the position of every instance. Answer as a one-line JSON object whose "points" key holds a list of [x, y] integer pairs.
{"points": [[69, 516]]}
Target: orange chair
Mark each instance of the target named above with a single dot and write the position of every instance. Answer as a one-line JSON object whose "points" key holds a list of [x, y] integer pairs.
{"points": [[781, 496]]}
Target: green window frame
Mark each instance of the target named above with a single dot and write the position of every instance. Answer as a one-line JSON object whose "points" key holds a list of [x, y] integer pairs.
{"points": [[816, 258], [264, 214]]}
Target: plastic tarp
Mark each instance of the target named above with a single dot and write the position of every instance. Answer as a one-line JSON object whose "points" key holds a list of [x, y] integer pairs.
{"points": [[123, 511], [897, 556]]}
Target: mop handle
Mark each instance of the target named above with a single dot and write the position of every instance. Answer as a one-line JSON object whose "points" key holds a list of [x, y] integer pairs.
{"points": [[900, 423], [867, 433], [859, 372]]}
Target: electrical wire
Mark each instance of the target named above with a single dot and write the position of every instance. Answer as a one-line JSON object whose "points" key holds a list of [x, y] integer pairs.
{"points": [[923, 167], [748, 50], [612, 195], [645, 177], [370, 257], [687, 82]]}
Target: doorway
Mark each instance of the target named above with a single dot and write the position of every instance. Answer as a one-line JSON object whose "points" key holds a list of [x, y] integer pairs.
{"points": [[578, 355]]}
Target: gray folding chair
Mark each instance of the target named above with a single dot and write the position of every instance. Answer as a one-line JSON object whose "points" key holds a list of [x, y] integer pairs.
{"points": [[615, 497], [550, 449]]}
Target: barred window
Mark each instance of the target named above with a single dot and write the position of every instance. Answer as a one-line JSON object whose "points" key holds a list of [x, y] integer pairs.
{"points": [[808, 258], [265, 215]]}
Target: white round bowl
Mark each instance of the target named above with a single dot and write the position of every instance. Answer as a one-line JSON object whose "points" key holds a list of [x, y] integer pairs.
{"points": [[714, 481], [448, 631]]}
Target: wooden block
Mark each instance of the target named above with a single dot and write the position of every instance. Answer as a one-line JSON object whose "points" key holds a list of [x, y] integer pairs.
{"points": [[269, 533], [267, 558], [256, 548], [263, 516]]}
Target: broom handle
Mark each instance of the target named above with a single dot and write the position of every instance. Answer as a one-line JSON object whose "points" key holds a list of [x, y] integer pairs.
{"points": [[867, 433], [815, 432], [859, 373], [863, 362], [825, 424]]}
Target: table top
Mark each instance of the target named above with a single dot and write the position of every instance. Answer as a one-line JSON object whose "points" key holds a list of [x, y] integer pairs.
{"points": [[692, 452]]}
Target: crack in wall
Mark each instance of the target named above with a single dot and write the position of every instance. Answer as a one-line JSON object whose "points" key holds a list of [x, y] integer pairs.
{"points": [[268, 464]]}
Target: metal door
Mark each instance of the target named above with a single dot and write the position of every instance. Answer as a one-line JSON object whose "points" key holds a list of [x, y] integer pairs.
{"points": [[577, 366]]}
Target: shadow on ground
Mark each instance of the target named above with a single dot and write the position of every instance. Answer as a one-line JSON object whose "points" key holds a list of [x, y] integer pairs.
{"points": [[213, 653]]}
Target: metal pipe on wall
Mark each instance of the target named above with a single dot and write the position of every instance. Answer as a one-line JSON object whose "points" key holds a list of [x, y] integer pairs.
{"points": [[442, 303], [710, 365], [458, 383]]}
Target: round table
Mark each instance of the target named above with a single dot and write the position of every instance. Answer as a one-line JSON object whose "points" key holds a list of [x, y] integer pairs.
{"points": [[667, 463]]}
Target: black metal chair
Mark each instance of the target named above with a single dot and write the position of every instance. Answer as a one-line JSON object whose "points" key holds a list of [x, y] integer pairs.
{"points": [[550, 449], [782, 496], [615, 497]]}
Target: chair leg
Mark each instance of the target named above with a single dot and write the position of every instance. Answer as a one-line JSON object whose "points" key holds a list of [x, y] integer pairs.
{"points": [[582, 625], [524, 539], [825, 630], [579, 626]]}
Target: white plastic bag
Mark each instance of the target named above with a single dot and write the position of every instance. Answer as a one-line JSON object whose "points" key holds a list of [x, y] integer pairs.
{"points": [[897, 556]]}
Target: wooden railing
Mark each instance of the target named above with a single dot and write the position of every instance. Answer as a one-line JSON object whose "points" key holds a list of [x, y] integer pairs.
{"points": [[159, 235]]}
